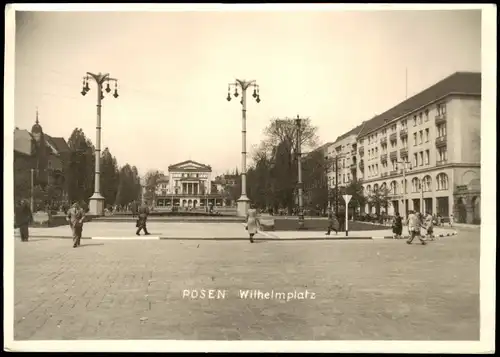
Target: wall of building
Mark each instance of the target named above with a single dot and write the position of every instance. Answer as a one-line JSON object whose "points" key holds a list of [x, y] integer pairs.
{"points": [[465, 123]]}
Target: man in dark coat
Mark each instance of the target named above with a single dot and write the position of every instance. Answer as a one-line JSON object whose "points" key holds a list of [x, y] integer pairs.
{"points": [[141, 221], [76, 217], [23, 218]]}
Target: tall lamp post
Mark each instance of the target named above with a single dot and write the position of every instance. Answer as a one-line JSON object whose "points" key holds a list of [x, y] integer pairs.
{"points": [[96, 206], [243, 201], [298, 123], [406, 166]]}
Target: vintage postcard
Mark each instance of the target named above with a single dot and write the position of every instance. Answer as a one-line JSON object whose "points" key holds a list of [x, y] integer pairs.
{"points": [[250, 177]]}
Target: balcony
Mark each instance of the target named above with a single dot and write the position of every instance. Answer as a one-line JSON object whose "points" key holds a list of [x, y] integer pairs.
{"points": [[441, 162], [403, 133], [441, 141], [440, 119], [393, 172], [403, 153], [383, 140], [393, 137], [393, 155], [384, 174], [383, 158], [361, 150]]}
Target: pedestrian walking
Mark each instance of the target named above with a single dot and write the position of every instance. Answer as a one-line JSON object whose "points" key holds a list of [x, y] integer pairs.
{"points": [[414, 226], [451, 220], [333, 223], [397, 226], [143, 212], [252, 222], [429, 225], [23, 217], [75, 217]]}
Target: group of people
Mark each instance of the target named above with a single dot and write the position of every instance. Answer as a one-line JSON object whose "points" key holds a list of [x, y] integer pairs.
{"points": [[416, 222]]}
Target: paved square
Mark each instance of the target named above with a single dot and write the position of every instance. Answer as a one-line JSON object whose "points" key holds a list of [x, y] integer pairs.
{"points": [[364, 290]]}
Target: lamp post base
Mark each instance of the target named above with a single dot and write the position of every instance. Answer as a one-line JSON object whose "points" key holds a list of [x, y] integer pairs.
{"points": [[301, 221], [96, 205], [243, 205]]}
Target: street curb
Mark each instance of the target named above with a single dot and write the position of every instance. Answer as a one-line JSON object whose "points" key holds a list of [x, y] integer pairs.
{"points": [[267, 238]]}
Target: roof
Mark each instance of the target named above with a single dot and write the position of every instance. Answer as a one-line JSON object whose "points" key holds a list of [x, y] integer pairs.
{"points": [[23, 141], [60, 144], [189, 165], [354, 131], [465, 83]]}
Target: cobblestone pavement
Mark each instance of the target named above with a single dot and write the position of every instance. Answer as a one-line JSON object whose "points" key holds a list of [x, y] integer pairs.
{"points": [[364, 290]]}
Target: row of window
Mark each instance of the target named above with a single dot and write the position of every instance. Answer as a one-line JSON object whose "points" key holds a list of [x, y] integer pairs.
{"points": [[417, 185], [418, 119], [421, 158]]}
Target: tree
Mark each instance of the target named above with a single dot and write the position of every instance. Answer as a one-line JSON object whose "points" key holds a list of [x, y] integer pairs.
{"points": [[314, 173], [380, 199], [110, 177], [356, 190], [151, 180], [80, 168], [284, 174]]}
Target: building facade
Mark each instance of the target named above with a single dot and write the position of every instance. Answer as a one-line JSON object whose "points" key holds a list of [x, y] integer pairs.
{"points": [[424, 153], [39, 163], [188, 185]]}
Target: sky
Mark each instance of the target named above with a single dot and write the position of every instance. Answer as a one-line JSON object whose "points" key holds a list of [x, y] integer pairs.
{"points": [[173, 69]]}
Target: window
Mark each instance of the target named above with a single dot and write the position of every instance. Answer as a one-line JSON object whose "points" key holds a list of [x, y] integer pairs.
{"points": [[441, 129], [427, 115], [420, 119], [343, 163], [421, 137], [394, 188], [414, 120], [415, 160], [414, 139], [427, 135], [376, 152], [394, 165], [441, 182], [421, 158], [441, 109], [415, 185], [442, 154], [427, 156], [376, 169], [343, 177], [348, 177], [426, 184]]}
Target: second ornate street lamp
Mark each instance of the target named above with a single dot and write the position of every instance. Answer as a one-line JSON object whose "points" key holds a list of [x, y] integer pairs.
{"points": [[96, 205], [243, 201]]}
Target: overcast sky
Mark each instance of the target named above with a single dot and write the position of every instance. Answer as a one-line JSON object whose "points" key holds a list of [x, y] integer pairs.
{"points": [[338, 68]]}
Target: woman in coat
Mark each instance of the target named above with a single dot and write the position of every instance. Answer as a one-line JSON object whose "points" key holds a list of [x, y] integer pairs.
{"points": [[397, 226], [252, 222]]}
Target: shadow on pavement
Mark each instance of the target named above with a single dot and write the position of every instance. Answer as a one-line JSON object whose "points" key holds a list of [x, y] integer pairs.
{"points": [[36, 239], [91, 244]]}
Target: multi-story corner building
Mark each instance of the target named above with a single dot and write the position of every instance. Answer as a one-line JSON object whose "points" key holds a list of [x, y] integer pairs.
{"points": [[344, 152], [187, 185], [426, 150]]}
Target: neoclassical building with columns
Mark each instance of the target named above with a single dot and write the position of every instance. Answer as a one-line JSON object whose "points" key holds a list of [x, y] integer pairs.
{"points": [[187, 185], [426, 151]]}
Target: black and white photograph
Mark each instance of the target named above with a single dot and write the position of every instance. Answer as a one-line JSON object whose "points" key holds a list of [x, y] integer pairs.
{"points": [[250, 178]]}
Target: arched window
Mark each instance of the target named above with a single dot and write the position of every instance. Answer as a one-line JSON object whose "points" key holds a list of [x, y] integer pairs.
{"points": [[394, 187], [375, 187], [442, 182], [426, 183], [383, 187], [415, 185], [404, 186], [368, 189]]}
